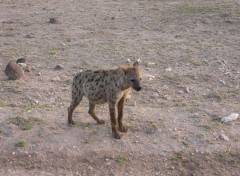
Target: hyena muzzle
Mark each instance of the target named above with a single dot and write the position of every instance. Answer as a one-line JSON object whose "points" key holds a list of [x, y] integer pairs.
{"points": [[106, 86]]}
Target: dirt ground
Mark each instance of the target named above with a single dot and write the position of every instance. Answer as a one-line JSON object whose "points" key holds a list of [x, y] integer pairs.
{"points": [[190, 59]]}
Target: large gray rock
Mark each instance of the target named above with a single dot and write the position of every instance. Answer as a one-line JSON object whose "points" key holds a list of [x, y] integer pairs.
{"points": [[14, 71]]}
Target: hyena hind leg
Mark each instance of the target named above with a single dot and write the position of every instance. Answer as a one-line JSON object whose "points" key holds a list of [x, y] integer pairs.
{"points": [[91, 111], [75, 102]]}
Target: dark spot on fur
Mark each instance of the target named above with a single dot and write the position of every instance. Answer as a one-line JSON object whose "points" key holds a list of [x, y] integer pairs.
{"points": [[90, 79]]}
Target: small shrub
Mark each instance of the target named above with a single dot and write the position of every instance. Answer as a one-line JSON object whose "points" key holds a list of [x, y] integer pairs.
{"points": [[20, 143], [214, 96], [2, 104], [121, 159], [52, 52]]}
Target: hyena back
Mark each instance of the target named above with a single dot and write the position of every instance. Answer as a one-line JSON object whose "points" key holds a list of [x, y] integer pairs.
{"points": [[106, 86]]}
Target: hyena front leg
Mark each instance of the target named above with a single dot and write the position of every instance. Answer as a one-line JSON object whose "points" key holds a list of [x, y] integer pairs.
{"points": [[121, 127], [91, 111], [112, 110]]}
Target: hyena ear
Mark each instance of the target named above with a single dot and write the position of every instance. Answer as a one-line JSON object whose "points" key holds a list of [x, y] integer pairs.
{"points": [[136, 64]]}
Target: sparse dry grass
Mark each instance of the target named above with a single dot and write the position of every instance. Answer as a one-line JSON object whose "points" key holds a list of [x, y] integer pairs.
{"points": [[20, 143], [26, 122], [121, 160], [2, 104]]}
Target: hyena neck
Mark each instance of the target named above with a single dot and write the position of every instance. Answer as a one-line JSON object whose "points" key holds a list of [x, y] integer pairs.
{"points": [[123, 82], [125, 86]]}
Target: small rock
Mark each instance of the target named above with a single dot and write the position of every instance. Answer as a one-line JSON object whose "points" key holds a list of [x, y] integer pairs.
{"points": [[90, 167], [29, 36], [223, 82], [224, 137], [55, 79], [168, 69], [63, 43], [59, 67], [229, 118], [187, 90], [151, 77], [180, 92], [36, 101], [53, 21], [14, 71], [109, 164], [155, 95], [38, 74]]}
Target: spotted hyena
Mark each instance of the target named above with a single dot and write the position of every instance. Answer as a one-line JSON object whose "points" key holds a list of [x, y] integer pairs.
{"points": [[106, 86]]}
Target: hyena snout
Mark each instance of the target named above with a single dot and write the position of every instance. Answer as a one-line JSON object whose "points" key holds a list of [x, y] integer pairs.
{"points": [[138, 88], [135, 85]]}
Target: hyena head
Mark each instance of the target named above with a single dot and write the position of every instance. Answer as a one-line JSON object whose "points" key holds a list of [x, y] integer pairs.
{"points": [[134, 77]]}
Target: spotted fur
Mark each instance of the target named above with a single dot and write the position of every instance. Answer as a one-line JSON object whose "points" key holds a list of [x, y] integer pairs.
{"points": [[106, 86]]}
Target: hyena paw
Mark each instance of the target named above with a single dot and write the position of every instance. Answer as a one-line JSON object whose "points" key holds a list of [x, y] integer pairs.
{"points": [[117, 135], [71, 123], [100, 122], [123, 129]]}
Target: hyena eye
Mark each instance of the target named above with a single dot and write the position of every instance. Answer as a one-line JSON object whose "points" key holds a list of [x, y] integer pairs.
{"points": [[132, 80], [140, 79]]}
